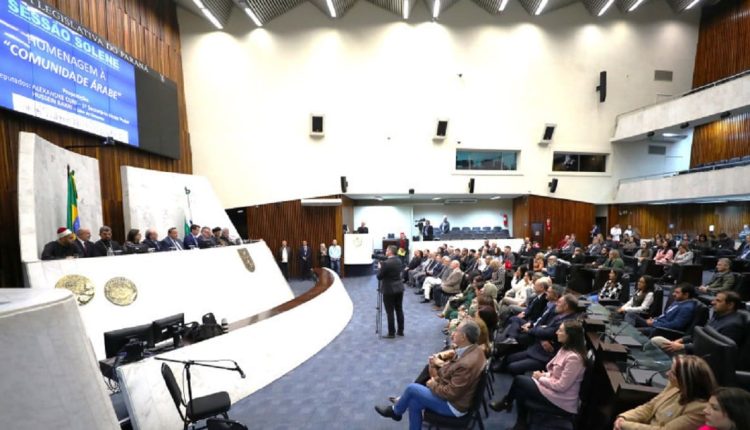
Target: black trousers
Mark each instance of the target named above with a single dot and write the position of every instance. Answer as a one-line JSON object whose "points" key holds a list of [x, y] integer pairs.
{"points": [[284, 270], [392, 303], [524, 389]]}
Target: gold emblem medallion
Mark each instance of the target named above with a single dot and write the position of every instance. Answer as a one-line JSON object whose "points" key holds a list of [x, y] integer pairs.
{"points": [[247, 259], [81, 287], [120, 291]]}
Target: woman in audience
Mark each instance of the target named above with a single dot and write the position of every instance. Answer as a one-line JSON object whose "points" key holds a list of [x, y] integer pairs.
{"points": [[133, 242], [556, 388], [323, 256], [611, 289], [629, 246], [670, 240], [538, 265], [497, 274], [664, 255], [728, 409], [680, 405], [643, 297], [577, 257], [700, 243], [519, 288]]}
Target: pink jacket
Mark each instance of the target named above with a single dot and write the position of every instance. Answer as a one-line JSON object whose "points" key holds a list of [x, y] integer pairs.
{"points": [[561, 382]]}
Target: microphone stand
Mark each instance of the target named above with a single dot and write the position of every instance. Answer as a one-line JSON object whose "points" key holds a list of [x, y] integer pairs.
{"points": [[379, 314], [188, 363]]}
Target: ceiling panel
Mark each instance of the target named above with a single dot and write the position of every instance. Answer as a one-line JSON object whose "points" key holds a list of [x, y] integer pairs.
{"points": [[595, 6], [444, 4], [491, 6], [341, 6], [395, 6], [267, 10], [625, 5], [220, 9], [532, 5]]}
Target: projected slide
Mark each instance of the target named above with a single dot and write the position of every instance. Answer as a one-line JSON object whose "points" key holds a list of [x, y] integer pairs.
{"points": [[52, 72]]}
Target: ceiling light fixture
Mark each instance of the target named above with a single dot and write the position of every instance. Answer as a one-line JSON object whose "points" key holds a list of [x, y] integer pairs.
{"points": [[331, 9], [436, 9], [379, 198], [541, 7], [406, 9], [502, 5], [436, 198], [690, 6], [638, 3], [671, 135], [207, 13], [496, 198], [606, 6], [253, 17]]}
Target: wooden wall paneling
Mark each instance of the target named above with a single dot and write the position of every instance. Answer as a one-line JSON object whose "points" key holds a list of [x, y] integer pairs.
{"points": [[566, 216], [721, 140], [149, 31], [687, 218], [521, 225]]}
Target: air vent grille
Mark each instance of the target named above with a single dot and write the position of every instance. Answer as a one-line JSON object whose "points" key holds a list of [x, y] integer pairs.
{"points": [[663, 75], [657, 150]]}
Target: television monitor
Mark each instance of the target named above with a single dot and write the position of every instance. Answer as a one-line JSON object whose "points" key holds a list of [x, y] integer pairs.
{"points": [[115, 341], [165, 328]]}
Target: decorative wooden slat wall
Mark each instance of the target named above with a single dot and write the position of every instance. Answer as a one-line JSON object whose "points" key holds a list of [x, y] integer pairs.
{"points": [[686, 218], [722, 52], [149, 31], [566, 216], [294, 223], [721, 140]]}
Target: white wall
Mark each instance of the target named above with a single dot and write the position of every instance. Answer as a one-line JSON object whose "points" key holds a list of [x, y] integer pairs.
{"points": [[633, 159], [381, 220], [43, 192], [382, 82]]}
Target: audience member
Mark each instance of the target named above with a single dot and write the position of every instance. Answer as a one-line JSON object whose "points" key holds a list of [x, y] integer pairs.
{"points": [[445, 226], [83, 243], [133, 243], [226, 240], [641, 301], [285, 256], [172, 242], [677, 316], [680, 405], [701, 243], [664, 254], [440, 272], [61, 248], [305, 260], [743, 252], [323, 256], [334, 255], [613, 261], [451, 387], [722, 280], [727, 409], [216, 231], [644, 253], [578, 257], [450, 286], [105, 245], [556, 388], [611, 289], [206, 238], [615, 232], [726, 320], [428, 231]]}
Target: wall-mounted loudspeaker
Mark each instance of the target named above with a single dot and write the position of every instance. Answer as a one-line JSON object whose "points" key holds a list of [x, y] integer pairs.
{"points": [[411, 190], [471, 186], [316, 125], [344, 184], [552, 185], [549, 130], [441, 129], [602, 88]]}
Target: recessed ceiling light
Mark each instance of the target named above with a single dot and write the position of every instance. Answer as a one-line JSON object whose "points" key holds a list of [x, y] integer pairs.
{"points": [[254, 17], [638, 3], [690, 6], [207, 13], [331, 9], [436, 198], [541, 7], [406, 9], [496, 198], [606, 6], [436, 9], [502, 5], [671, 135]]}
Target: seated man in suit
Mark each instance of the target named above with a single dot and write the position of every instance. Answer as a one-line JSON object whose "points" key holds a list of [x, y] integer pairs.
{"points": [[427, 259], [451, 387], [518, 327], [726, 320], [544, 341], [172, 242], [61, 248], [441, 273], [450, 286], [191, 240], [152, 240], [723, 279], [206, 239], [433, 270], [83, 243], [677, 316], [105, 245]]}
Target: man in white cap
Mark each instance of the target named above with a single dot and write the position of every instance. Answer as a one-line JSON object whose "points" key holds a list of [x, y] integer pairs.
{"points": [[62, 247]]}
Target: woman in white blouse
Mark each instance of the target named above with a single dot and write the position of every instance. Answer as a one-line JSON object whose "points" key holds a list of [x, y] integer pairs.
{"points": [[642, 299]]}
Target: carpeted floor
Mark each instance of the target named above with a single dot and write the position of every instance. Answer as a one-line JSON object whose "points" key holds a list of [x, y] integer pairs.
{"points": [[338, 387]]}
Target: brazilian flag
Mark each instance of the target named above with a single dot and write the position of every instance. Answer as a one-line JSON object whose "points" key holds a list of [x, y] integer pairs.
{"points": [[73, 223]]}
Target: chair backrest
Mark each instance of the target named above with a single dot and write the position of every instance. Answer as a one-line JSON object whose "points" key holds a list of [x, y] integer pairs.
{"points": [[700, 317], [174, 389], [719, 351], [743, 363], [465, 228], [658, 304], [224, 424]]}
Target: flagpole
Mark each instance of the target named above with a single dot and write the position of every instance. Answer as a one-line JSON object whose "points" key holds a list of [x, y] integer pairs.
{"points": [[190, 210]]}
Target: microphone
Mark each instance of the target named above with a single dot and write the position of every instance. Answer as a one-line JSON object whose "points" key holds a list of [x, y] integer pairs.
{"points": [[238, 369]]}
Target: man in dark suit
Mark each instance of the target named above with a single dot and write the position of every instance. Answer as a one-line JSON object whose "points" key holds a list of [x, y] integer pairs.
{"points": [[362, 229], [83, 243], [428, 231], [152, 240], [191, 240], [389, 273], [172, 242], [206, 239], [305, 260], [445, 226], [105, 245], [454, 376], [285, 256]]}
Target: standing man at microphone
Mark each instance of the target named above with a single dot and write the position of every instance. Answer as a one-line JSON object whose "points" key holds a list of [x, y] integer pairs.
{"points": [[389, 273]]}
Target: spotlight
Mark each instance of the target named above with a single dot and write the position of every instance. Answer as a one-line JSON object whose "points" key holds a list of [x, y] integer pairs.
{"points": [[684, 125]]}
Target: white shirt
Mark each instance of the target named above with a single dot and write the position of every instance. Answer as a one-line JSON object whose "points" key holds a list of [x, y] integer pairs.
{"points": [[284, 255], [334, 252], [615, 232]]}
